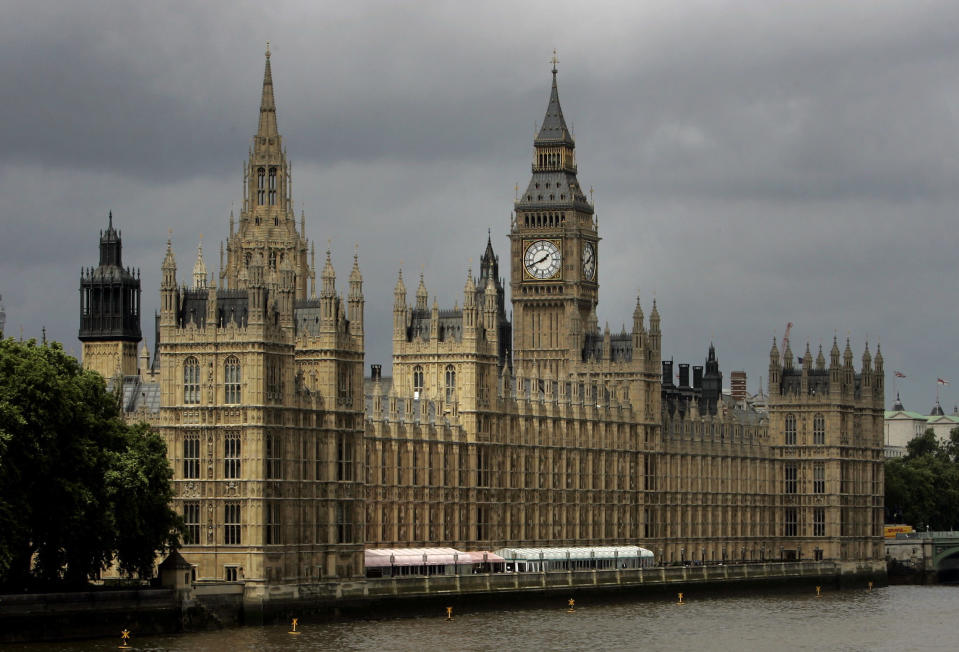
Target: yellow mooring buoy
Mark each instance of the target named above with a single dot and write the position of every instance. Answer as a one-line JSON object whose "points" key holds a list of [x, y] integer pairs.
{"points": [[680, 599], [818, 591], [293, 626], [571, 603], [449, 613], [124, 638], [870, 586]]}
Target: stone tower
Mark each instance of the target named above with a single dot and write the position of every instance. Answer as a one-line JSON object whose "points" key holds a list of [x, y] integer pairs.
{"points": [[554, 247], [110, 311]]}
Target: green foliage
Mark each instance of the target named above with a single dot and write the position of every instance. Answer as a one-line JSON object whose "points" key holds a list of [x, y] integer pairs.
{"points": [[78, 487], [922, 488]]}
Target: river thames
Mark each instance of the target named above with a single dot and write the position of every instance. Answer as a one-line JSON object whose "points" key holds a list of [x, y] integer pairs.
{"points": [[891, 618]]}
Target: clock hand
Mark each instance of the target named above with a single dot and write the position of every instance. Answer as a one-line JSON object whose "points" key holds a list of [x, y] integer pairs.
{"points": [[541, 259]]}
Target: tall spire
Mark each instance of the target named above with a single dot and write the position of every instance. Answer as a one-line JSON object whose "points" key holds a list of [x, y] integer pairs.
{"points": [[553, 130], [267, 127]]}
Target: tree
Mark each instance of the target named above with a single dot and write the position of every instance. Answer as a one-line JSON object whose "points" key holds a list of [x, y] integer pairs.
{"points": [[922, 488], [79, 488]]}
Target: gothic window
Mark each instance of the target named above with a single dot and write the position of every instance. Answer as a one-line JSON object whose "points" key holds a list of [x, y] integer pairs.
{"points": [[272, 260], [344, 522], [791, 474], [231, 456], [272, 380], [819, 430], [819, 478], [790, 522], [191, 381], [272, 523], [231, 523], [450, 383], [345, 382], [191, 519], [790, 429], [191, 457], [819, 521], [317, 458], [417, 381], [272, 186], [231, 379], [482, 527], [482, 466], [260, 182], [274, 462], [344, 457]]}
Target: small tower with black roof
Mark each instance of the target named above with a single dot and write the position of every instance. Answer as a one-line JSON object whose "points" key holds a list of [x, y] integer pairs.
{"points": [[110, 310]]}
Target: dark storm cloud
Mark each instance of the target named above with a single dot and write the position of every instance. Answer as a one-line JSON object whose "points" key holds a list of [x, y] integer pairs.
{"points": [[753, 163]]}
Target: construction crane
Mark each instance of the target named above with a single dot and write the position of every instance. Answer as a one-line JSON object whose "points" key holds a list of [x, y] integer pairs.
{"points": [[785, 342]]}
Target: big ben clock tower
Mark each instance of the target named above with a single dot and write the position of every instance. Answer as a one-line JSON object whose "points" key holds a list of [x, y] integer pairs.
{"points": [[554, 247]]}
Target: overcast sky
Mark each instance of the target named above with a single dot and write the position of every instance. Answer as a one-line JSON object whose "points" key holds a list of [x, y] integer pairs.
{"points": [[754, 163]]}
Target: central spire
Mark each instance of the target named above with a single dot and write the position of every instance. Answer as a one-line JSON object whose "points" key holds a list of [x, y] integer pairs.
{"points": [[554, 131], [267, 127]]}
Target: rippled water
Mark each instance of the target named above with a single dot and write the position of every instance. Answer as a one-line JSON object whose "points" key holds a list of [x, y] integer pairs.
{"points": [[893, 618]]}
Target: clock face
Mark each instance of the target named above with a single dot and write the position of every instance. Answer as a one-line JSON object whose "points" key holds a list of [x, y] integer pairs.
{"points": [[542, 259], [589, 261]]}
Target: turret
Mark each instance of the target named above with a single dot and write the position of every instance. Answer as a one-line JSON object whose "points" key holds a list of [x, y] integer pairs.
{"points": [[469, 307], [820, 360], [655, 337], [775, 370], [168, 291], [199, 269], [356, 298], [639, 330], [399, 308], [328, 299], [490, 311], [421, 295]]}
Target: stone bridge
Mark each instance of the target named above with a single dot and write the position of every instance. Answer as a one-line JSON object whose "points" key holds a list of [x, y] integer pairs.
{"points": [[931, 556]]}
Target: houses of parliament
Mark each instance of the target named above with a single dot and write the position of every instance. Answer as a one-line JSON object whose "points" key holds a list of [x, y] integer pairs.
{"points": [[536, 431]]}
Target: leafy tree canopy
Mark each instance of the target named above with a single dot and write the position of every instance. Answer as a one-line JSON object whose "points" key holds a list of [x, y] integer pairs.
{"points": [[79, 488], [922, 488]]}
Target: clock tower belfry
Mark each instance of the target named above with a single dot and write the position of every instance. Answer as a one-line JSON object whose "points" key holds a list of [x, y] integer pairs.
{"points": [[554, 246]]}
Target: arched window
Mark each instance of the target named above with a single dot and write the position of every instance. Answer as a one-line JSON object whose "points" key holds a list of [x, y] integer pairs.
{"points": [[231, 380], [191, 381], [417, 381], [819, 430], [450, 383], [272, 186], [260, 183], [790, 429]]}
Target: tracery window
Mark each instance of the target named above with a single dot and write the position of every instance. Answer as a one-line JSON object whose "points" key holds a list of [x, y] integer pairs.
{"points": [[819, 478], [231, 380], [790, 522], [819, 521], [819, 430], [272, 523], [344, 522], [191, 381], [790, 429], [231, 456], [191, 519], [231, 523], [260, 182], [450, 383], [191, 457], [274, 468], [272, 186], [344, 457], [791, 474], [417, 381]]}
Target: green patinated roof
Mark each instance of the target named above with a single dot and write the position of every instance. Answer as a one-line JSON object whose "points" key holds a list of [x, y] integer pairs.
{"points": [[921, 417]]}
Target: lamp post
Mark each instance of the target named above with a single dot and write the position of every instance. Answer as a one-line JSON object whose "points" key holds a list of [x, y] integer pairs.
{"points": [[782, 553], [682, 555], [744, 555], [392, 565], [456, 566], [704, 557], [762, 553]]}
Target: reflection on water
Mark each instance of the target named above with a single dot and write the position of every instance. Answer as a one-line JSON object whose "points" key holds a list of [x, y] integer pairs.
{"points": [[893, 618]]}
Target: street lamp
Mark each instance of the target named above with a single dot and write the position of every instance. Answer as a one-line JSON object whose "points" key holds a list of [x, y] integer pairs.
{"points": [[762, 553], [392, 565], [744, 555], [682, 555]]}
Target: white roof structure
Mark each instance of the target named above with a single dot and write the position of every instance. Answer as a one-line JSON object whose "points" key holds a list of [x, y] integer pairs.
{"points": [[573, 554]]}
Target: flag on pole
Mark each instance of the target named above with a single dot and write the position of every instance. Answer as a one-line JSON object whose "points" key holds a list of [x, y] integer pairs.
{"points": [[899, 374], [941, 381]]}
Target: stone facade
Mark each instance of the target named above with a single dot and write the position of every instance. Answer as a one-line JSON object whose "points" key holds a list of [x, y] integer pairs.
{"points": [[545, 431]]}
